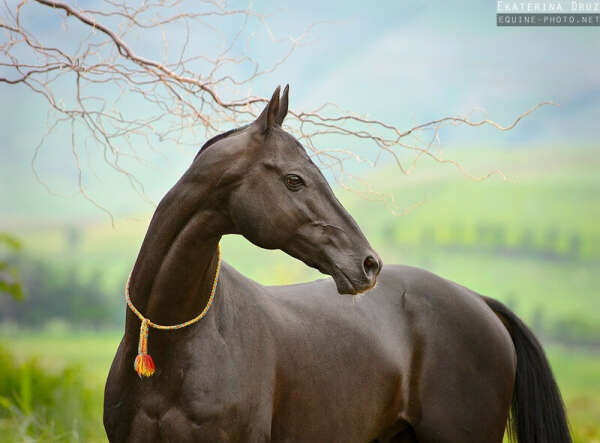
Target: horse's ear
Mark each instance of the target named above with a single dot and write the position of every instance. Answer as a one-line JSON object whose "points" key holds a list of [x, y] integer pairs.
{"points": [[268, 118], [283, 105]]}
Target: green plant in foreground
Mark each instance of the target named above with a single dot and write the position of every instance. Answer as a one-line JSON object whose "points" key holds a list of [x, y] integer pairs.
{"points": [[42, 406]]}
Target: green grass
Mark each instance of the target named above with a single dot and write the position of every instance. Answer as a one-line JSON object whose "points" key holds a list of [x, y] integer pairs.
{"points": [[41, 403], [92, 350], [577, 374], [80, 360]]}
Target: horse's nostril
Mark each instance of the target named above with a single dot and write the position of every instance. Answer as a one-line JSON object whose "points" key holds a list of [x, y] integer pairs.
{"points": [[371, 266]]}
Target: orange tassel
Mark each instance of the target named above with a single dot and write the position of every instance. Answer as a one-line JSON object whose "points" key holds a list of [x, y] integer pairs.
{"points": [[143, 364]]}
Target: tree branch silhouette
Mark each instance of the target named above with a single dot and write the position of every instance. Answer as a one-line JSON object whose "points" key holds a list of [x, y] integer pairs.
{"points": [[181, 98]]}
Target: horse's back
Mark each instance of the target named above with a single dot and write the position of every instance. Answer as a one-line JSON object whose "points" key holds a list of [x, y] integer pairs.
{"points": [[417, 348]]}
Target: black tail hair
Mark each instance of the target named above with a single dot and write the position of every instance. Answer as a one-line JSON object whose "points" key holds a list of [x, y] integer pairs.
{"points": [[537, 410]]}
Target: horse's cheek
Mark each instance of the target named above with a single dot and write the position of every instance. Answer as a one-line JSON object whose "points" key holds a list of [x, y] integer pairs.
{"points": [[251, 222]]}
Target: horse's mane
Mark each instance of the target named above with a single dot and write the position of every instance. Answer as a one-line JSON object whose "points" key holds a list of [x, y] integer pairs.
{"points": [[218, 137]]}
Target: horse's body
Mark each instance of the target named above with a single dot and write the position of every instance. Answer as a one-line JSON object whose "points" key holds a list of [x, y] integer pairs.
{"points": [[418, 358], [302, 364]]}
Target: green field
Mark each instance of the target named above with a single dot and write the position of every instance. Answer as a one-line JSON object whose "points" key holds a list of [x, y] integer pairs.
{"points": [[532, 242]]}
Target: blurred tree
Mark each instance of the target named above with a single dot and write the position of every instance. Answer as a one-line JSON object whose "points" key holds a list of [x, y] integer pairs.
{"points": [[59, 293], [551, 239], [10, 283], [527, 241], [73, 237], [483, 235], [574, 247], [498, 237], [538, 318]]}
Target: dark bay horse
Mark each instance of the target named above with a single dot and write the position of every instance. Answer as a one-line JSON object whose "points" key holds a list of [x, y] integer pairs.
{"points": [[417, 358]]}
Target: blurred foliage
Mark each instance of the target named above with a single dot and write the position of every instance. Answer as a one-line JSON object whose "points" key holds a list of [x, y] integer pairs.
{"points": [[59, 292], [550, 243], [9, 275], [37, 404]]}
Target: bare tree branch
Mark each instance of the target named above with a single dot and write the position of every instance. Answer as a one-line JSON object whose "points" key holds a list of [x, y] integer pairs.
{"points": [[185, 97]]}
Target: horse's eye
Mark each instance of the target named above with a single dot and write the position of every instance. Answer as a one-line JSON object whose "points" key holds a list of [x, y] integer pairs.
{"points": [[293, 182]]}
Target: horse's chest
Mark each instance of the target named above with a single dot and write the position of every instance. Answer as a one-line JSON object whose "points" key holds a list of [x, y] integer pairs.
{"points": [[191, 405], [195, 422], [189, 398], [186, 407]]}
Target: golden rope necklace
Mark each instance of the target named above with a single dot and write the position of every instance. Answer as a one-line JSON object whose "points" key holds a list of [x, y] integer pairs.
{"points": [[143, 364]]}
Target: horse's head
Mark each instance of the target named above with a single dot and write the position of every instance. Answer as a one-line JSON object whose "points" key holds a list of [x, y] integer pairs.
{"points": [[278, 199]]}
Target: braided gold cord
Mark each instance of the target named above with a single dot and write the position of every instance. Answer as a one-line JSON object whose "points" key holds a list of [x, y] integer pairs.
{"points": [[180, 325], [143, 363]]}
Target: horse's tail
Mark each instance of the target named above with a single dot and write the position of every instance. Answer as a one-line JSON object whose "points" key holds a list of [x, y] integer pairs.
{"points": [[537, 410]]}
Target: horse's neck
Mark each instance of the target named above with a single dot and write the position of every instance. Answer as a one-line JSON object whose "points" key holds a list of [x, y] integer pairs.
{"points": [[173, 275]]}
